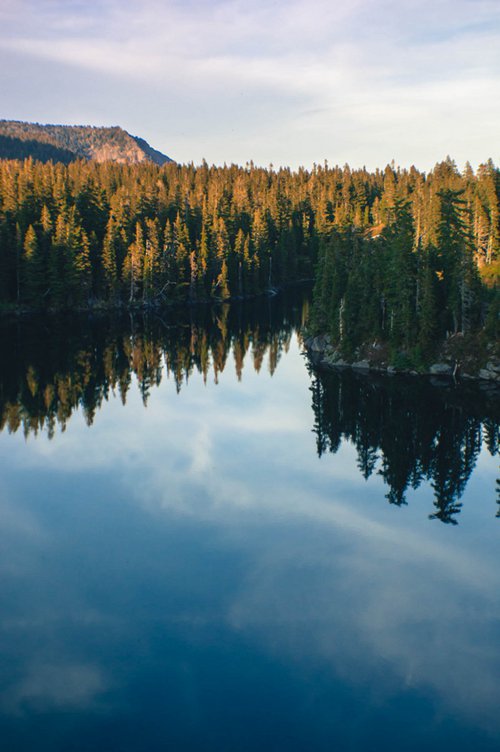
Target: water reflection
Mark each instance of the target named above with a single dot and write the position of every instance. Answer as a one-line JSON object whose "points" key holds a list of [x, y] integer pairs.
{"points": [[191, 576], [56, 365], [408, 430], [405, 430]]}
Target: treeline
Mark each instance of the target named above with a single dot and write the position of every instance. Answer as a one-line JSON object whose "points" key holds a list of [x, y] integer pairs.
{"points": [[403, 246], [57, 365], [403, 443], [142, 234], [428, 268], [396, 254]]}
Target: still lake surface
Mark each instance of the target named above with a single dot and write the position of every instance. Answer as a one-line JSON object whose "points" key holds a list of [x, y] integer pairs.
{"points": [[206, 545]]}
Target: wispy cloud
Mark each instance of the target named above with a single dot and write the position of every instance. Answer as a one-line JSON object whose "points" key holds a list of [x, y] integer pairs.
{"points": [[387, 62]]}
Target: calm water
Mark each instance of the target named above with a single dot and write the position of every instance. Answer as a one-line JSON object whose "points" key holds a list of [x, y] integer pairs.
{"points": [[204, 545]]}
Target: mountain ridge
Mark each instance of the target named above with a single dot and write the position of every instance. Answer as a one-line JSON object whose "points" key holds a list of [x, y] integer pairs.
{"points": [[66, 143]]}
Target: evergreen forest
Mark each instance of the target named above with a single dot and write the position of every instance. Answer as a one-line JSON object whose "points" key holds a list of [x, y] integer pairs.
{"points": [[396, 255]]}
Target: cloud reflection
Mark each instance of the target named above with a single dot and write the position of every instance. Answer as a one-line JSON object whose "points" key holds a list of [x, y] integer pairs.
{"points": [[48, 686], [381, 599]]}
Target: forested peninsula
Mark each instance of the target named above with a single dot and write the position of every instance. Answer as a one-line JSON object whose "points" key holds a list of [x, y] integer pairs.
{"points": [[402, 261]]}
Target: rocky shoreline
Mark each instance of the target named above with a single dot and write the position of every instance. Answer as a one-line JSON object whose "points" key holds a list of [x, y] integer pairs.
{"points": [[374, 358]]}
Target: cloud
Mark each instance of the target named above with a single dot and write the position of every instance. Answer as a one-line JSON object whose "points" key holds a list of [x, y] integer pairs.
{"points": [[258, 65], [318, 35]]}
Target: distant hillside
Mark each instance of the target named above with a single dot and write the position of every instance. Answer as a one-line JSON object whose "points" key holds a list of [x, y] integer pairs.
{"points": [[65, 143]]}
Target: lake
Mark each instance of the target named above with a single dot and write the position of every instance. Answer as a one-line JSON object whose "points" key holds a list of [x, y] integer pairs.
{"points": [[207, 545]]}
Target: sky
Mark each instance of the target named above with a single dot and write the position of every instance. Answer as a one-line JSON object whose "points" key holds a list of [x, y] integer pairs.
{"points": [[284, 83]]}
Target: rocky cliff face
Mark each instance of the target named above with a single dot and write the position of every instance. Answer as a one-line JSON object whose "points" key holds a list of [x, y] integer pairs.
{"points": [[19, 140]]}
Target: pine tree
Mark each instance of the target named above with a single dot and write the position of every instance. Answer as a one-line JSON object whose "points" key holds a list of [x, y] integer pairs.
{"points": [[132, 266], [109, 262], [33, 271], [400, 276]]}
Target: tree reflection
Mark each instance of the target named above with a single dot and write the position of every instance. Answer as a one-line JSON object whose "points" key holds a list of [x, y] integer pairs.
{"points": [[408, 430], [53, 366]]}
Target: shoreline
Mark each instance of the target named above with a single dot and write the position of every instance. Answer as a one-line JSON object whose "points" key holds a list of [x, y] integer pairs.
{"points": [[16, 312], [324, 354]]}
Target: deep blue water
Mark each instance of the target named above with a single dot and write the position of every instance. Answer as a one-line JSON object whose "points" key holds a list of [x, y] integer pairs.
{"points": [[193, 575]]}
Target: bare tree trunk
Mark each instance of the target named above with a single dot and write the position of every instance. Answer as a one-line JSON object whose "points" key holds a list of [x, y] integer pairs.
{"points": [[341, 319]]}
